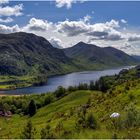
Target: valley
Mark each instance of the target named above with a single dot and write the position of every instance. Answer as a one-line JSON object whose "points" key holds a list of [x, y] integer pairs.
{"points": [[28, 60], [69, 69]]}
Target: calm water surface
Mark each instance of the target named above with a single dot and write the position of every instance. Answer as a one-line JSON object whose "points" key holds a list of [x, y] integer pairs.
{"points": [[66, 80]]}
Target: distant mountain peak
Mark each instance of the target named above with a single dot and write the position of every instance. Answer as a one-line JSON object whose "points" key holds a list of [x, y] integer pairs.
{"points": [[101, 56], [81, 43], [26, 51]]}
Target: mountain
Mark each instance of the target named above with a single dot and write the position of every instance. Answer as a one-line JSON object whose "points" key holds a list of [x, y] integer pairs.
{"points": [[24, 53], [137, 57], [27, 59], [92, 56]]}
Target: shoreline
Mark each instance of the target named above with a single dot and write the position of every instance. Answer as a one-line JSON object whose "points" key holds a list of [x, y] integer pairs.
{"points": [[17, 94], [12, 95]]}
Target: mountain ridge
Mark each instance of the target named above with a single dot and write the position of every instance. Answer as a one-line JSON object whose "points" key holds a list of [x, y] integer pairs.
{"points": [[94, 54], [28, 59], [30, 50]]}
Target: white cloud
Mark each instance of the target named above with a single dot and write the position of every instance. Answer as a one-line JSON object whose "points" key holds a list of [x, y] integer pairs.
{"points": [[67, 3], [67, 33], [3, 1], [37, 25], [106, 31], [113, 24], [30, 15], [7, 29], [57, 43], [72, 28], [11, 11], [87, 18], [133, 37], [123, 21], [7, 20]]}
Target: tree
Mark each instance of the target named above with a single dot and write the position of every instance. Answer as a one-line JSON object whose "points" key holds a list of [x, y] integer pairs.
{"points": [[83, 86], [92, 85], [91, 121], [81, 118], [6, 107], [29, 131], [48, 100], [60, 91], [101, 85], [32, 108]]}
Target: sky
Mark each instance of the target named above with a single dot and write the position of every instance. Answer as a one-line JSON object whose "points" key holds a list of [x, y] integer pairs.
{"points": [[66, 22]]}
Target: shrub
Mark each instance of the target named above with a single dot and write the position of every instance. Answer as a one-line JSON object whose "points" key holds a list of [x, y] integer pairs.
{"points": [[45, 132], [60, 91], [131, 96], [32, 108], [59, 128], [29, 131], [83, 86], [114, 136], [92, 85], [132, 118], [48, 100], [91, 121], [71, 88], [115, 124]]}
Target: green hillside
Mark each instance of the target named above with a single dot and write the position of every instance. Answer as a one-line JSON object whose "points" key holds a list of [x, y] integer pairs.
{"points": [[92, 57], [27, 59], [67, 113]]}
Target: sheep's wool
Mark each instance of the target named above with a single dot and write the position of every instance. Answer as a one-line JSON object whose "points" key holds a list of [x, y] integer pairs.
{"points": [[115, 115]]}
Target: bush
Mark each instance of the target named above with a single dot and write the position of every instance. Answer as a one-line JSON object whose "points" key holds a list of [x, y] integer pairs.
{"points": [[132, 118], [92, 85], [91, 121], [83, 86], [45, 132], [115, 124], [60, 92], [48, 100], [114, 136], [32, 108], [29, 131], [131, 96], [59, 128], [71, 88]]}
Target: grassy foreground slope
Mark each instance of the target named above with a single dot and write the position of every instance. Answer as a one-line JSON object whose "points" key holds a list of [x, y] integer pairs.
{"points": [[66, 110]]}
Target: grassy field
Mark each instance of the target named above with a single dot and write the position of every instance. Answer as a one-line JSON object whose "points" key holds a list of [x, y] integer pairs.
{"points": [[65, 110]]}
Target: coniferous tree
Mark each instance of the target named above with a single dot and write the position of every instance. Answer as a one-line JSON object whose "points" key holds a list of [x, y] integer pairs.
{"points": [[29, 131], [92, 85], [60, 91], [32, 108], [91, 121]]}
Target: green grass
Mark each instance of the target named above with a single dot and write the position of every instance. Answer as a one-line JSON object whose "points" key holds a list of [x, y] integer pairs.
{"points": [[124, 90], [43, 115], [102, 105]]}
